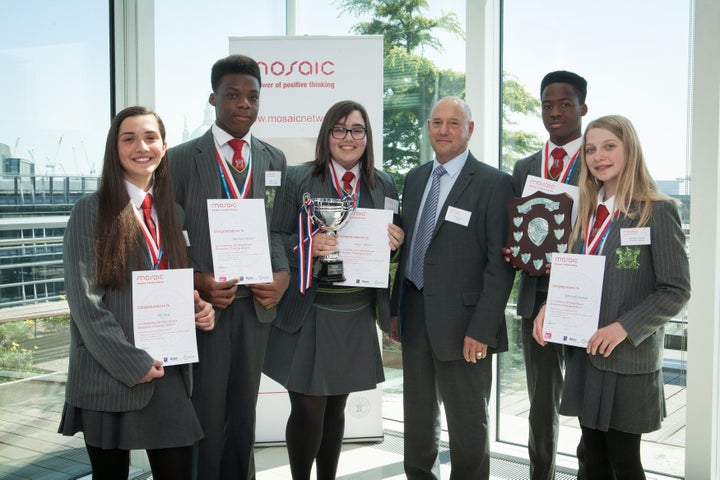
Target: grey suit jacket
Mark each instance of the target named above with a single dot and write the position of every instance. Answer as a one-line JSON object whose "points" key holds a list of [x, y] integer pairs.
{"points": [[299, 179], [530, 285], [644, 287], [195, 178], [105, 366], [467, 282]]}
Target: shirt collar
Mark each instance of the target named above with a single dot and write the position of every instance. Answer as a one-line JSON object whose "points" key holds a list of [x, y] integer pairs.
{"points": [[137, 195], [609, 203], [340, 170], [222, 137], [570, 147], [453, 166]]}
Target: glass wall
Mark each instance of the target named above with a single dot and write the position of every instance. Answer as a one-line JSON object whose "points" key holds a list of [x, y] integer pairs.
{"points": [[55, 58], [635, 68], [55, 103]]}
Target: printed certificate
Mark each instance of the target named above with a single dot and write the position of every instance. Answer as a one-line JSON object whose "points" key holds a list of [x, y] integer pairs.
{"points": [[164, 315], [239, 240], [365, 248], [572, 310]]}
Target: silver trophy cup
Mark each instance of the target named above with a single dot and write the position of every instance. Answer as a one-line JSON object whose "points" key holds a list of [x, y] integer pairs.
{"points": [[330, 215]]}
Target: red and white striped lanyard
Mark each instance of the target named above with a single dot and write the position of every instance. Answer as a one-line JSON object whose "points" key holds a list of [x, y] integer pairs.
{"points": [[228, 182], [338, 188], [154, 245], [567, 169], [593, 246]]}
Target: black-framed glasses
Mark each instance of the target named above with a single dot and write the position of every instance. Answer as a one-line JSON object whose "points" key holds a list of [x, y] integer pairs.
{"points": [[357, 133]]}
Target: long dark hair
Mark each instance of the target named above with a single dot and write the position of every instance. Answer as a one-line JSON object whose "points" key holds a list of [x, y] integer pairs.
{"points": [[119, 245], [322, 147]]}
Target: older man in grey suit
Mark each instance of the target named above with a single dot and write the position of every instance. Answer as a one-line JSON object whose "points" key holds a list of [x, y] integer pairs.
{"points": [[451, 291], [220, 165]]}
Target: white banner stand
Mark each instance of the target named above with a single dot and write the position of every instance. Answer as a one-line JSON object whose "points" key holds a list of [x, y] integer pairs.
{"points": [[301, 78]]}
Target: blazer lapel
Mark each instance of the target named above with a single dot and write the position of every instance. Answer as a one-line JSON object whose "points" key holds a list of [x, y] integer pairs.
{"points": [[207, 168], [411, 200], [377, 194], [259, 167], [464, 178]]}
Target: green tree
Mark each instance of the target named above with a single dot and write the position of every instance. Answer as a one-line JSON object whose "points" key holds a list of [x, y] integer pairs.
{"points": [[412, 83], [517, 102], [401, 22]]}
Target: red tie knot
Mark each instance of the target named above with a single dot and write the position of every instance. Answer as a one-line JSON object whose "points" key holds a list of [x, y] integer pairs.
{"points": [[147, 202], [238, 161], [602, 214], [557, 167], [237, 144], [558, 154], [347, 179]]}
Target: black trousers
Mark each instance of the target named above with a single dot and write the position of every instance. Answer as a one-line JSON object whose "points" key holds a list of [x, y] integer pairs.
{"points": [[464, 390], [544, 367], [225, 391]]}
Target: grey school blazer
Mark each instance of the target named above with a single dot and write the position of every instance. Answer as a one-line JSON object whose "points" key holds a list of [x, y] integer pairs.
{"points": [[530, 284], [105, 366], [299, 179], [195, 178], [644, 287]]}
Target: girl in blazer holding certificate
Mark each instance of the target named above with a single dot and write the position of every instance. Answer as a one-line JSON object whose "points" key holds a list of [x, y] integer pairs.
{"points": [[116, 394], [324, 343], [615, 385]]}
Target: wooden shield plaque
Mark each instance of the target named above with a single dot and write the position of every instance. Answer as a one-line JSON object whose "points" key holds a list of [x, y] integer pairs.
{"points": [[538, 225]]}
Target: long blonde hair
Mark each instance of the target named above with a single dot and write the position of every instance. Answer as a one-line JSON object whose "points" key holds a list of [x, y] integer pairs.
{"points": [[636, 190]]}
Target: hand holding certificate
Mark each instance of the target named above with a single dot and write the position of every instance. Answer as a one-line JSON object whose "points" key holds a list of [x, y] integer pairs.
{"points": [[164, 315], [572, 310], [239, 240]]}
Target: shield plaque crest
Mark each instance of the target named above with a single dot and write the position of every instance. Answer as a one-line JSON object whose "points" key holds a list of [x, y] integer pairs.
{"points": [[538, 225]]}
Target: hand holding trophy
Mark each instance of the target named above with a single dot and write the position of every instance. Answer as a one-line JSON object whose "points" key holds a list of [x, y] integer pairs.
{"points": [[330, 215]]}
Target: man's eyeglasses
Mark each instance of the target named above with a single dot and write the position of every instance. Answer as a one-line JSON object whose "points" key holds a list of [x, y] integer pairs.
{"points": [[357, 133]]}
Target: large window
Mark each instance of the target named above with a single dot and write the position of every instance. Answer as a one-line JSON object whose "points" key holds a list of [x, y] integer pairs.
{"points": [[634, 56], [55, 84], [55, 104], [55, 59]]}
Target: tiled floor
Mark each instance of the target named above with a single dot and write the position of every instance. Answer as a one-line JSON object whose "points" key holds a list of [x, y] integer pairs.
{"points": [[30, 448]]}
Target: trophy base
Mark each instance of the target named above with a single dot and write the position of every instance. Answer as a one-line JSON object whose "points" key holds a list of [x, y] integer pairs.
{"points": [[331, 271]]}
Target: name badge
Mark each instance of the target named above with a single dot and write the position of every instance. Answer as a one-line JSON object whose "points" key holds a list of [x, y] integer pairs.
{"points": [[272, 178], [634, 236], [457, 215], [392, 204]]}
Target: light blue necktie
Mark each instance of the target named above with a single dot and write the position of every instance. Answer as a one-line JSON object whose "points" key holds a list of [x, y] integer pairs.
{"points": [[426, 228]]}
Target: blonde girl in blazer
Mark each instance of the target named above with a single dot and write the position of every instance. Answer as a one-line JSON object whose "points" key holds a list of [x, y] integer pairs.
{"points": [[615, 385]]}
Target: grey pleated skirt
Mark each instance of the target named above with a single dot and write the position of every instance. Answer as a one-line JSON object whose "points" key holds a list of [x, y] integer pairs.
{"points": [[167, 421], [608, 400], [335, 352]]}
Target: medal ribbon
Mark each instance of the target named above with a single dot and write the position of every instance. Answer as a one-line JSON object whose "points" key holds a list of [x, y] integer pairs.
{"points": [[567, 169], [592, 246], [355, 194], [304, 247], [228, 182], [155, 252]]}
